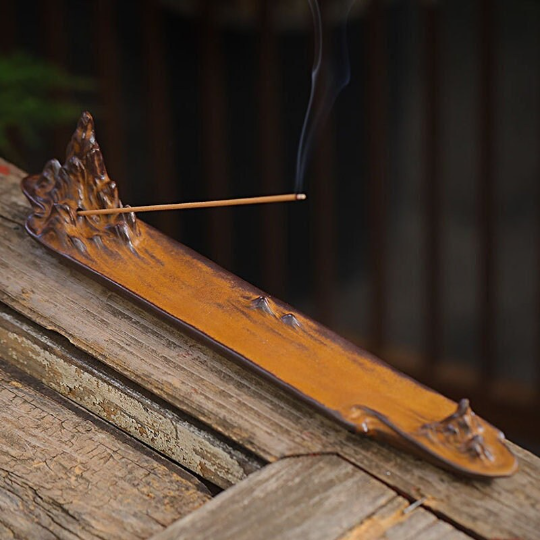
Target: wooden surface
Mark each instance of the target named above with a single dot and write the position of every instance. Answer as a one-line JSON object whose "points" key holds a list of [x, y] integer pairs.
{"points": [[304, 496], [65, 475], [62, 367], [309, 498], [235, 403], [259, 332]]}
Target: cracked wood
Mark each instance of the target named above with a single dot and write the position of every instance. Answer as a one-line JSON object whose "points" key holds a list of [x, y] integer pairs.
{"points": [[64, 368], [313, 498], [66, 476]]}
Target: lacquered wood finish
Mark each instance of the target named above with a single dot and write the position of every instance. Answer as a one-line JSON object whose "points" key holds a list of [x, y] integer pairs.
{"points": [[262, 333]]}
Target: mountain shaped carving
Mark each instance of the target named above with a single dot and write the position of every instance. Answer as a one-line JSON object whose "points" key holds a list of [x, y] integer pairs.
{"points": [[82, 183]]}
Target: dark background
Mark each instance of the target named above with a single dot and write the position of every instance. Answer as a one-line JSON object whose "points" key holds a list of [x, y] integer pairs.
{"points": [[420, 236]]}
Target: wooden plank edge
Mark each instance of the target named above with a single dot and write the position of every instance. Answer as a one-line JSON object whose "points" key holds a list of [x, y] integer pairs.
{"points": [[315, 497], [399, 520], [66, 474], [62, 367], [51, 359]]}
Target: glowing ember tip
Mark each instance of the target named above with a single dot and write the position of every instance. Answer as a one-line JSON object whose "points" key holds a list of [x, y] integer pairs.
{"points": [[301, 196]]}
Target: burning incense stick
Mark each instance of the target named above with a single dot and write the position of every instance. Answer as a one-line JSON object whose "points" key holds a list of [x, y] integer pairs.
{"points": [[205, 204]]}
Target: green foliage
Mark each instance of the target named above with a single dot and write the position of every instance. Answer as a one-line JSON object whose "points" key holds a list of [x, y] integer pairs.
{"points": [[32, 97]]}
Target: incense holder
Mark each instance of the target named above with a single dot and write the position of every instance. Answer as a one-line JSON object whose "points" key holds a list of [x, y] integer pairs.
{"points": [[261, 333]]}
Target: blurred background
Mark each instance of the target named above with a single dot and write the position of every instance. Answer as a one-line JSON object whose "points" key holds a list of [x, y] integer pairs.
{"points": [[420, 239]]}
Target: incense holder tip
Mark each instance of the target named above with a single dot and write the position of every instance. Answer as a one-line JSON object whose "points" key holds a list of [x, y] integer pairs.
{"points": [[82, 183]]}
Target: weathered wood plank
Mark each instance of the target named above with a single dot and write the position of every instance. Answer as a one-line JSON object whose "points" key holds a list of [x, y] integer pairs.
{"points": [[65, 475], [234, 402], [64, 368], [399, 520], [317, 497]]}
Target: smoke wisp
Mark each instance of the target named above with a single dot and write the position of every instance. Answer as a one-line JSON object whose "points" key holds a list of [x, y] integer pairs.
{"points": [[330, 74]]}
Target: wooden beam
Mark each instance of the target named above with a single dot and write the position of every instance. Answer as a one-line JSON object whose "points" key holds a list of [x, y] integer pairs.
{"points": [[65, 474], [62, 367], [399, 520], [318, 497]]}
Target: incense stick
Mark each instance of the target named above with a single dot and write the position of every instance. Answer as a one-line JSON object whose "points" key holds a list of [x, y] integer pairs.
{"points": [[204, 204]]}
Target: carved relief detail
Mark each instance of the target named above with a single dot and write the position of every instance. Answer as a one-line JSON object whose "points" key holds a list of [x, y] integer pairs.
{"points": [[290, 320], [462, 431], [261, 303], [81, 183], [362, 417]]}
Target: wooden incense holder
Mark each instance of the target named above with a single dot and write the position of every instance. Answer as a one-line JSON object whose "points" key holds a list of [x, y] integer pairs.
{"points": [[261, 333]]}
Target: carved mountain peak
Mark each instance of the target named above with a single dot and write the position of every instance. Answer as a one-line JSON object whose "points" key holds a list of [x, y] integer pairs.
{"points": [[462, 430], [81, 183]]}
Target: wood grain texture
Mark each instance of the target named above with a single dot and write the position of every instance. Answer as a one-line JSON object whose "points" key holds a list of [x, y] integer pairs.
{"points": [[311, 498], [399, 520], [66, 476], [235, 402], [51, 359], [230, 315]]}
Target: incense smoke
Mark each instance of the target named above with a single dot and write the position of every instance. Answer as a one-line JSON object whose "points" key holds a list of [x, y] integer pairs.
{"points": [[326, 84]]}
